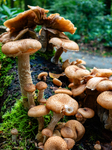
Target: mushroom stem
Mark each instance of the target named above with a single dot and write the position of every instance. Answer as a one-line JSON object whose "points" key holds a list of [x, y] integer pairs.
{"points": [[14, 138], [58, 53], [40, 94], [76, 82], [30, 96], [108, 124], [56, 117], [24, 75]]}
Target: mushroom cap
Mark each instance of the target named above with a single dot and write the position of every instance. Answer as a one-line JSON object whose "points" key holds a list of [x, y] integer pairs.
{"points": [[70, 142], [62, 103], [40, 75], [41, 85], [65, 43], [77, 90], [38, 111], [74, 71], [86, 112], [55, 21], [55, 143], [105, 85], [105, 99], [14, 131], [47, 132], [63, 90], [20, 47], [57, 82], [76, 127], [21, 21], [29, 87]]}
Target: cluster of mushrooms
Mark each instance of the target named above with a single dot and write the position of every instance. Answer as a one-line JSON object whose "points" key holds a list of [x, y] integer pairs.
{"points": [[92, 88]]}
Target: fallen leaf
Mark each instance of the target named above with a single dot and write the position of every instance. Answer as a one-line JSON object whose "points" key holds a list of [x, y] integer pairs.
{"points": [[53, 75]]}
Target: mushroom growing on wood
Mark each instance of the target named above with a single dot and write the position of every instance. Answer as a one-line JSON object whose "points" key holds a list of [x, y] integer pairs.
{"points": [[60, 104], [105, 100], [22, 49], [62, 45]]}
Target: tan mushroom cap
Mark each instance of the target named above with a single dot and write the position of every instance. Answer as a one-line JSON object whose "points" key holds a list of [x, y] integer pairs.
{"points": [[86, 112], [55, 143], [21, 21], [20, 47], [38, 111], [70, 142], [76, 127], [41, 85], [105, 99], [30, 87], [77, 90], [42, 74], [47, 132], [63, 90], [62, 103], [65, 43], [55, 21], [105, 85], [57, 82], [73, 71], [14, 131]]}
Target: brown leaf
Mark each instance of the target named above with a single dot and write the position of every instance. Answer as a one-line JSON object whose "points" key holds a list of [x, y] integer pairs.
{"points": [[53, 75]]}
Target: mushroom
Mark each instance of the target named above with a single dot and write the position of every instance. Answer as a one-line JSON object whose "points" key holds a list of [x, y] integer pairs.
{"points": [[76, 73], [84, 113], [38, 112], [41, 86], [14, 133], [22, 49], [57, 82], [63, 90], [105, 100], [43, 76], [62, 45], [55, 143], [78, 90], [104, 85], [30, 88], [46, 134], [60, 104], [65, 64], [70, 143], [74, 127]]}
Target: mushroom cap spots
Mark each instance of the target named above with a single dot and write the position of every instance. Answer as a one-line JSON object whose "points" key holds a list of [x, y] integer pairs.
{"points": [[41, 85], [20, 47], [38, 111], [105, 99], [64, 43], [29, 87], [55, 143], [62, 103]]}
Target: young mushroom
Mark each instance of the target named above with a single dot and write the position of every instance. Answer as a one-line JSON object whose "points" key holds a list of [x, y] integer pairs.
{"points": [[30, 88], [22, 49], [41, 86], [62, 45], [42, 76], [14, 133]]}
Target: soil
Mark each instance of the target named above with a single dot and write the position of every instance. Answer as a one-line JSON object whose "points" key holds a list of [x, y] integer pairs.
{"points": [[94, 128]]}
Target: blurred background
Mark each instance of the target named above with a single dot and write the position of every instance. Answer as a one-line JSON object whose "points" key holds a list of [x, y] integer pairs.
{"points": [[93, 18]]}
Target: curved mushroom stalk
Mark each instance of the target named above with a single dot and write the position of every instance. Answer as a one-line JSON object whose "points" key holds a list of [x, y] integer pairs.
{"points": [[108, 124]]}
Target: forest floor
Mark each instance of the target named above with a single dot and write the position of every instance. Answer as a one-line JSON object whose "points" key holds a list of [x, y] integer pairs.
{"points": [[94, 128]]}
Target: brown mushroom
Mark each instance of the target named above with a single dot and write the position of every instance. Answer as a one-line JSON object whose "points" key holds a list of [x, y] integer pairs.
{"points": [[42, 76], [105, 85], [41, 86], [105, 100], [57, 82], [62, 45], [55, 142], [70, 143], [22, 49], [63, 90], [14, 133]]}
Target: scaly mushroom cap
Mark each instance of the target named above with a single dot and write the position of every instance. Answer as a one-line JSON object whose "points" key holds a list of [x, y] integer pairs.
{"points": [[55, 21], [62, 103], [55, 143], [105, 99], [105, 85], [73, 71], [65, 43], [29, 87], [38, 111], [20, 47], [21, 21], [41, 85]]}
